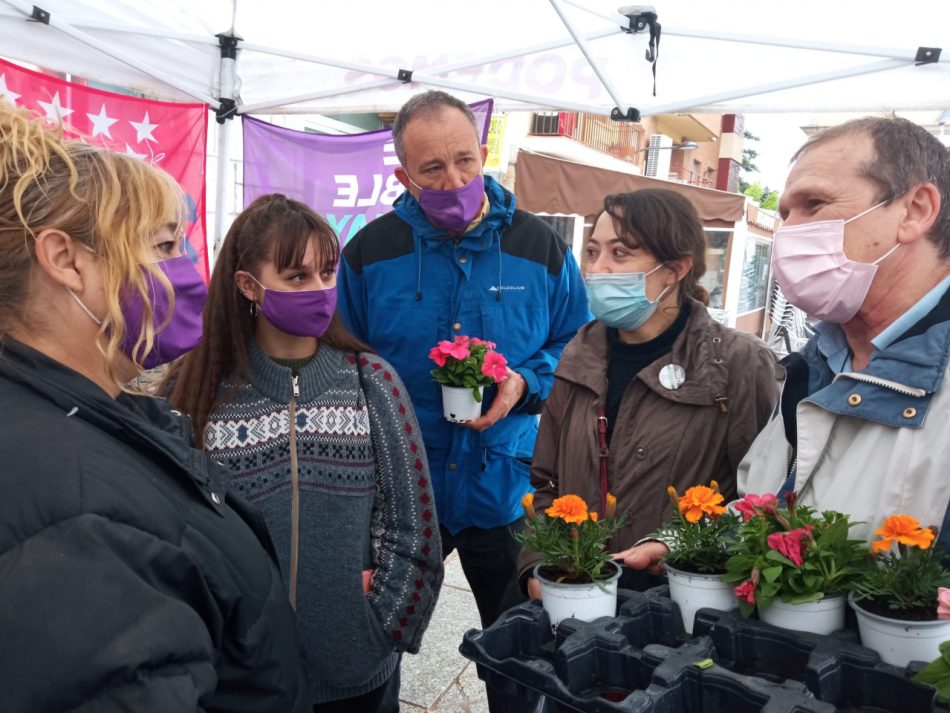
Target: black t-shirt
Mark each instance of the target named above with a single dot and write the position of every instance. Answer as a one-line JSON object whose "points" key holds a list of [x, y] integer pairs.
{"points": [[624, 361]]}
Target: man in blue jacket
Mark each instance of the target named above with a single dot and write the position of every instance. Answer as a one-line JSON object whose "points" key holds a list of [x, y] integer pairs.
{"points": [[456, 257]]}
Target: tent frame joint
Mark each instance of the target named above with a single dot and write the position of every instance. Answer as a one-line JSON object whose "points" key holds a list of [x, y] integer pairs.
{"points": [[227, 110], [404, 76], [927, 55], [631, 115], [228, 44], [40, 15]]}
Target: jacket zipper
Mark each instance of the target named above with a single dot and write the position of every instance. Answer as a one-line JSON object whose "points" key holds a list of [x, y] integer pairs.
{"points": [[295, 496], [884, 383]]}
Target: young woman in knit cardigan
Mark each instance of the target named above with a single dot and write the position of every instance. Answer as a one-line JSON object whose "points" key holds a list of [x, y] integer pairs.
{"points": [[320, 435]]}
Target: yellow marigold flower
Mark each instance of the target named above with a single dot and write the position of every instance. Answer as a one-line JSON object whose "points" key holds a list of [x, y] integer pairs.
{"points": [[701, 500], [593, 517], [527, 502], [905, 530], [570, 508], [674, 496], [611, 509]]}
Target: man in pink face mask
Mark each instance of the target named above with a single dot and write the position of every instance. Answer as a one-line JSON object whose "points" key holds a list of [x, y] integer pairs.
{"points": [[863, 426]]}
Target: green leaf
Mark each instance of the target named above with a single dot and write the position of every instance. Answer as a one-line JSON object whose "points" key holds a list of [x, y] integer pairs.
{"points": [[772, 573], [777, 556], [937, 673], [804, 598]]}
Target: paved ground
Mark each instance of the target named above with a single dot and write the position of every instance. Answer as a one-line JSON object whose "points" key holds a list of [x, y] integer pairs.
{"points": [[438, 678]]}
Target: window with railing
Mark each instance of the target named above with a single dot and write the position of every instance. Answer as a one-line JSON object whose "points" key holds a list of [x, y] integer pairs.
{"points": [[617, 138], [684, 175]]}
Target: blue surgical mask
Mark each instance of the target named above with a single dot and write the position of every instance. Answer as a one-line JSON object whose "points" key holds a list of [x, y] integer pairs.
{"points": [[619, 299]]}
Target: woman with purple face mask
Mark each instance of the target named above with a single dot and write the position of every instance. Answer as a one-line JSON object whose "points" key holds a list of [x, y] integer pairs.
{"points": [[132, 579], [319, 433]]}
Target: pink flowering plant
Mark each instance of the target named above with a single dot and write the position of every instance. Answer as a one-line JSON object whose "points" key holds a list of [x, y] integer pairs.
{"points": [[790, 552], [468, 362]]}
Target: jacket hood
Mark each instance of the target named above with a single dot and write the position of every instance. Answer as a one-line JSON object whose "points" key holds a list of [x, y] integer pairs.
{"points": [[699, 349]]}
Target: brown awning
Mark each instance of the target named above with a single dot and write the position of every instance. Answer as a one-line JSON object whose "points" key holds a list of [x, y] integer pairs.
{"points": [[549, 185]]}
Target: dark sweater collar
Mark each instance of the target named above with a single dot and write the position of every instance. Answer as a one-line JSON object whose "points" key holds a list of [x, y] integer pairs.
{"points": [[276, 381], [660, 343]]}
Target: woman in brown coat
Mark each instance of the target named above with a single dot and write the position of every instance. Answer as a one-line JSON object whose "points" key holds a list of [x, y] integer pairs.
{"points": [[667, 394]]}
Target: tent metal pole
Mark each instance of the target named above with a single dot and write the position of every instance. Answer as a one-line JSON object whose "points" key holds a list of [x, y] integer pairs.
{"points": [[227, 84], [790, 43], [162, 34], [710, 99], [221, 188], [389, 80], [585, 50], [27, 10], [884, 52]]}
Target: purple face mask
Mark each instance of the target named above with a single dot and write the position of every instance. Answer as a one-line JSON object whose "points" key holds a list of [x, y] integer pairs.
{"points": [[453, 209], [183, 331], [304, 313]]}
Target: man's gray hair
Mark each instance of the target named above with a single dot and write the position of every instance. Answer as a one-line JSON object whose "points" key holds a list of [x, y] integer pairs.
{"points": [[905, 155], [427, 104]]}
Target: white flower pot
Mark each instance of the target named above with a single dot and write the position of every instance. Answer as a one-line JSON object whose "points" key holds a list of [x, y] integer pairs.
{"points": [[899, 642], [821, 617], [586, 602], [693, 591], [459, 404]]}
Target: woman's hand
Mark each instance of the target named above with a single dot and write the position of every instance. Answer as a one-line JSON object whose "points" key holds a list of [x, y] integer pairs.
{"points": [[534, 588], [367, 580], [648, 555]]}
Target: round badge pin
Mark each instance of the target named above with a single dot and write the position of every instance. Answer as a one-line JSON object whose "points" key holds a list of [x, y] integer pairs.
{"points": [[672, 376]]}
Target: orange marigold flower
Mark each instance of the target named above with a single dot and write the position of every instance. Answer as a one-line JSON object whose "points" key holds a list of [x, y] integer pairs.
{"points": [[701, 500], [593, 516], [527, 502], [611, 509], [570, 508], [905, 530]]}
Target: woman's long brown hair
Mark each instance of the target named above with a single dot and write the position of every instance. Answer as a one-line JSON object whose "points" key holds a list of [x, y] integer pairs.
{"points": [[273, 228]]}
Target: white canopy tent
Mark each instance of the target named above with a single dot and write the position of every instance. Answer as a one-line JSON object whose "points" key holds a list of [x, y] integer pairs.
{"points": [[346, 57], [342, 57]]}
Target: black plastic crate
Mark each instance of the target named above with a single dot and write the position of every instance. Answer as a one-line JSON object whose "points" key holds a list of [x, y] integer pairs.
{"points": [[642, 661]]}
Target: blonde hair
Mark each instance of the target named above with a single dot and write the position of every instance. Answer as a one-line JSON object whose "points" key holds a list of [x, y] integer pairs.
{"points": [[110, 203]]}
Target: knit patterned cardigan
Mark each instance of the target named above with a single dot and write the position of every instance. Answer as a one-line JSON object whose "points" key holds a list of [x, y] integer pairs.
{"points": [[365, 501]]}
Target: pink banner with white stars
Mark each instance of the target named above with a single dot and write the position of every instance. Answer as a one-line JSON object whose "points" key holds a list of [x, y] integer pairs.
{"points": [[169, 135]]}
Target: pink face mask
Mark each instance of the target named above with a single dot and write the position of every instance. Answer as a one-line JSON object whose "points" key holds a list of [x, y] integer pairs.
{"points": [[810, 266]]}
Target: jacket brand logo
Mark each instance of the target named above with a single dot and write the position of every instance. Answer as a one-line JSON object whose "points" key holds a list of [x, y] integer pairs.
{"points": [[495, 288]]}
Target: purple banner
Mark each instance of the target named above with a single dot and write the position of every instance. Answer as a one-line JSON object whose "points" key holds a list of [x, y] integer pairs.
{"points": [[347, 179]]}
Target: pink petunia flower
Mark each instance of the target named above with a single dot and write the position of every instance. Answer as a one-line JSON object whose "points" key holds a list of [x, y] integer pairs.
{"points": [[437, 356], [943, 603], [476, 340], [456, 350], [792, 543], [495, 366], [464, 341], [752, 505], [746, 591]]}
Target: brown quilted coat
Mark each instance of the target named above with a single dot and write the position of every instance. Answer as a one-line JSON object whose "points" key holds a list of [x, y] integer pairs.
{"points": [[682, 437]]}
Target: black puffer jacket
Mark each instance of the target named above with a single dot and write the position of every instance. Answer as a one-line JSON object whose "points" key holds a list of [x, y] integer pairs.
{"points": [[129, 580]]}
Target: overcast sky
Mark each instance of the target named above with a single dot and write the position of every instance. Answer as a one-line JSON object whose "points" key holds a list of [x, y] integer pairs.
{"points": [[780, 137]]}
